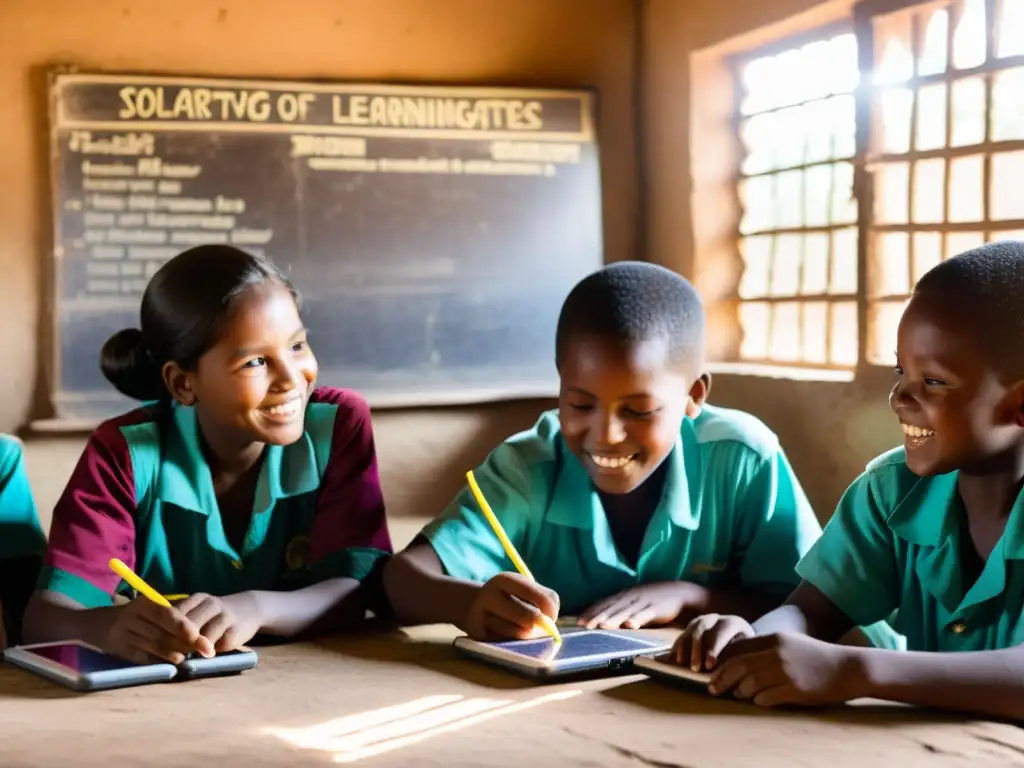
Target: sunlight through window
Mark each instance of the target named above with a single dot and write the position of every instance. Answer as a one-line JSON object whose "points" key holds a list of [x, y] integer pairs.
{"points": [[941, 159], [962, 191], [798, 130], [368, 734]]}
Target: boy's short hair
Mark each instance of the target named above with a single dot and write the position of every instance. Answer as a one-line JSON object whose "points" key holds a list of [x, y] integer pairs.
{"points": [[985, 288], [634, 301]]}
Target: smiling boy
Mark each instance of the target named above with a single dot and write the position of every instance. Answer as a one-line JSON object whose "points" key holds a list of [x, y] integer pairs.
{"points": [[634, 503], [934, 528]]}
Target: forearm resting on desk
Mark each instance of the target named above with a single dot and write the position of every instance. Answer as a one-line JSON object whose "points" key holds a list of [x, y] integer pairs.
{"points": [[50, 616], [331, 604], [420, 593], [983, 682]]}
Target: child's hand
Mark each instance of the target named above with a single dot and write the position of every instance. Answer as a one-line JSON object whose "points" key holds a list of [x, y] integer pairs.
{"points": [[789, 669], [509, 606], [704, 639], [641, 606], [225, 622], [143, 630]]}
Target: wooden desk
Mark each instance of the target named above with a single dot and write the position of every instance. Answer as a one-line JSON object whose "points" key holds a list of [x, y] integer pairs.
{"points": [[263, 718]]}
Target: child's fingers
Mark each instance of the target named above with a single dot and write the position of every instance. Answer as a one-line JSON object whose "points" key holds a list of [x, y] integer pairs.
{"points": [[681, 649], [597, 609], [148, 627], [641, 618], [203, 613], [734, 671], [498, 626], [192, 602], [534, 595], [514, 611], [215, 629], [697, 632], [617, 615], [173, 621], [715, 642], [142, 648]]}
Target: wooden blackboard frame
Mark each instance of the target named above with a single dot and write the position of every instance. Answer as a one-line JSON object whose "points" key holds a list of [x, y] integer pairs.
{"points": [[589, 105]]}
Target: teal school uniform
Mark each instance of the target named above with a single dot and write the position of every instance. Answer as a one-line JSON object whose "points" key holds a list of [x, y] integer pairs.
{"points": [[142, 492], [20, 531], [894, 544], [731, 513], [22, 541]]}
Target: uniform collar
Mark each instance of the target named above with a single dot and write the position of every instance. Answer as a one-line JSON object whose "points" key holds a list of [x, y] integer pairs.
{"points": [[185, 478], [927, 516]]}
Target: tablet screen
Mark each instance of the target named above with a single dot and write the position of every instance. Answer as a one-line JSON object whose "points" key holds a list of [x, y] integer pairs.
{"points": [[81, 659], [576, 645]]}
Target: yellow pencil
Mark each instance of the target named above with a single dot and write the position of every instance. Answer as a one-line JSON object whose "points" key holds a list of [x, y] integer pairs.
{"points": [[136, 583], [510, 550]]}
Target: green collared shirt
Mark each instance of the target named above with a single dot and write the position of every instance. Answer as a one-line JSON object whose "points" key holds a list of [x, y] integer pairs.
{"points": [[894, 543], [143, 493], [731, 513]]}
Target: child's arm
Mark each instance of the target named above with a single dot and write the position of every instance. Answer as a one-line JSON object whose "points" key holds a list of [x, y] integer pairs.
{"points": [[421, 593], [507, 605], [457, 571], [850, 578], [94, 520], [781, 665], [986, 682], [808, 612], [329, 605]]}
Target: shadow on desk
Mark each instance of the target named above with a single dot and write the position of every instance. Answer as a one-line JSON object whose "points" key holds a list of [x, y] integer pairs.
{"points": [[657, 696], [17, 683]]}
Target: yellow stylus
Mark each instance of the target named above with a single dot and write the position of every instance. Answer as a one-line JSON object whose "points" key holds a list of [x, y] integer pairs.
{"points": [[136, 583], [517, 561]]}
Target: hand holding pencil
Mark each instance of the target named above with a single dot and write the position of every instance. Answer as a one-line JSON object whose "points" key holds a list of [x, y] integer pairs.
{"points": [[510, 605], [150, 627]]}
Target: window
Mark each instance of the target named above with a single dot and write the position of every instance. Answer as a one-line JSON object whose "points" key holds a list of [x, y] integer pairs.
{"points": [[946, 146], [942, 152], [798, 291]]}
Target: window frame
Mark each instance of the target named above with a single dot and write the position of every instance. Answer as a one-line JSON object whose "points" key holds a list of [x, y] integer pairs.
{"points": [[735, 63], [861, 22]]}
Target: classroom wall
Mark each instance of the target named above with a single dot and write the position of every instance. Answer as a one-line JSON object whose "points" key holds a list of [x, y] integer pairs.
{"points": [[829, 429], [423, 453]]}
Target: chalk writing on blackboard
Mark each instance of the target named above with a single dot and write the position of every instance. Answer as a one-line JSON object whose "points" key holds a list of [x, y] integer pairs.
{"points": [[432, 231]]}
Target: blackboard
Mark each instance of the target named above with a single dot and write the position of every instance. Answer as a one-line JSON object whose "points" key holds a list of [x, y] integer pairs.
{"points": [[432, 231]]}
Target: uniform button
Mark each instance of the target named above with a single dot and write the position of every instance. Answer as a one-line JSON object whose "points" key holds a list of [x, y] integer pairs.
{"points": [[959, 627], [239, 566]]}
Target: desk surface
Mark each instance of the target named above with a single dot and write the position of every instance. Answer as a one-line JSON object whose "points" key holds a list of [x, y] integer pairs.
{"points": [[405, 699]]}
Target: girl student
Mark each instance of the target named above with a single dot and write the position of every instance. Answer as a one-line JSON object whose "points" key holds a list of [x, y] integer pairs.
{"points": [[238, 484]]}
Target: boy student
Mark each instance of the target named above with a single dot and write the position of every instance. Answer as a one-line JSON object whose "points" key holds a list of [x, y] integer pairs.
{"points": [[22, 542], [634, 503], [934, 528], [245, 486]]}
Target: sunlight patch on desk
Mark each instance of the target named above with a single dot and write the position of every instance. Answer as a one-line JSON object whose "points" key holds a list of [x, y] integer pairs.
{"points": [[355, 737]]}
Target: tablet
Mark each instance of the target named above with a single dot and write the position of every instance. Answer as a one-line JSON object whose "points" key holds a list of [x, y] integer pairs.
{"points": [[662, 668], [227, 663], [82, 667], [582, 651]]}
